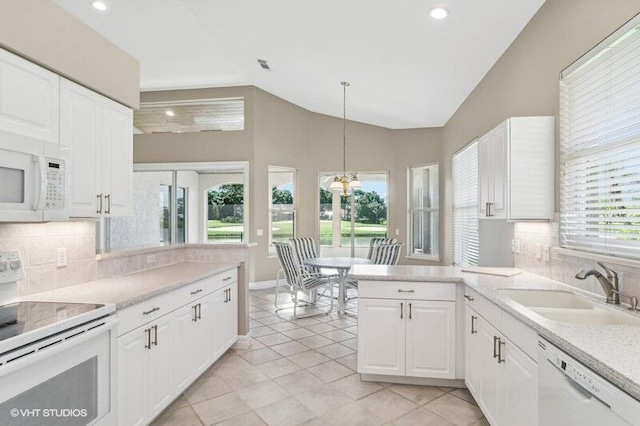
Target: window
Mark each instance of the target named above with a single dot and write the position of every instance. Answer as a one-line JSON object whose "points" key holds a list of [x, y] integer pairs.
{"points": [[600, 148], [225, 213], [424, 217], [281, 205], [370, 212], [465, 205]]}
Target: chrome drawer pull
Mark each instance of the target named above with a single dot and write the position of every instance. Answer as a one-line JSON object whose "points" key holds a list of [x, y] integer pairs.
{"points": [[148, 345], [406, 291], [151, 311], [226, 279], [470, 298], [473, 323], [496, 339], [197, 291], [401, 310], [501, 344], [155, 335]]}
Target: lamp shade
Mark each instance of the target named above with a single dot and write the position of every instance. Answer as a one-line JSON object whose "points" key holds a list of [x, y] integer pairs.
{"points": [[336, 185], [355, 183]]}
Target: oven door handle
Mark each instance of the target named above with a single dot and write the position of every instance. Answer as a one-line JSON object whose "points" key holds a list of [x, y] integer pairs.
{"points": [[47, 352]]}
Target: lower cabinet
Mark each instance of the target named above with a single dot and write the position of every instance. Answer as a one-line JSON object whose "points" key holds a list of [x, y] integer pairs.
{"points": [[158, 360], [502, 377], [406, 337]]}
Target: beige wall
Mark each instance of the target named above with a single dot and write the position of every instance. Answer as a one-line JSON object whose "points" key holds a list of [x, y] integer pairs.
{"points": [[45, 33], [278, 133], [524, 81]]}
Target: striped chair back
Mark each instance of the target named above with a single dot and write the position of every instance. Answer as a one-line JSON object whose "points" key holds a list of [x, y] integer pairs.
{"points": [[304, 248], [386, 254], [379, 240], [287, 262]]}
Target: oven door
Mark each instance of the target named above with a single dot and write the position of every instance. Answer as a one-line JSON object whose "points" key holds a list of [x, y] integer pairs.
{"points": [[22, 178], [66, 379]]}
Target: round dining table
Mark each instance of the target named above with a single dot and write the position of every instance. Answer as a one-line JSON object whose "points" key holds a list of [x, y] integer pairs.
{"points": [[342, 266]]}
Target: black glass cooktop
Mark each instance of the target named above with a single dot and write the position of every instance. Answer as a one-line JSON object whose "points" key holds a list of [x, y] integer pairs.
{"points": [[23, 317]]}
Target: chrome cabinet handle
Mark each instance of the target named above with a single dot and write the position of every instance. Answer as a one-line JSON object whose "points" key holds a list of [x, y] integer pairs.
{"points": [[501, 344], [99, 211], [401, 310], [469, 298], [226, 279], [195, 313], [489, 212], [473, 323], [406, 291], [151, 311], [199, 311], [409, 310], [495, 347], [148, 345], [486, 209], [229, 290], [197, 291], [155, 335], [108, 198]]}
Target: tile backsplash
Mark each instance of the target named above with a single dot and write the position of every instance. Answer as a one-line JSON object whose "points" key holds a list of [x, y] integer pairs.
{"points": [[37, 243], [563, 267]]}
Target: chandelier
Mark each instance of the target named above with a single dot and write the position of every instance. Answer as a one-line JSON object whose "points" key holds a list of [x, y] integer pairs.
{"points": [[345, 183]]}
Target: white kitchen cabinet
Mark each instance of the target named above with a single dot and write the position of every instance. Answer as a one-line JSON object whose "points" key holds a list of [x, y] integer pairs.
{"points": [[99, 133], [516, 170], [167, 342], [410, 336], [381, 337], [500, 375], [29, 98]]}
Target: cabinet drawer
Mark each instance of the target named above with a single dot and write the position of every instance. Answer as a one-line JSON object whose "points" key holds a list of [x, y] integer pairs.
{"points": [[144, 312], [482, 306], [228, 277], [410, 290], [191, 292]]}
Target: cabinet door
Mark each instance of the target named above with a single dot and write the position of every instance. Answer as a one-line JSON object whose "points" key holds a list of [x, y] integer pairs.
{"points": [[487, 370], [231, 316], [517, 385], [116, 159], [499, 140], [205, 327], [430, 339], [471, 353], [485, 165], [80, 131], [133, 376], [29, 98], [160, 383], [381, 336], [214, 334], [184, 362]]}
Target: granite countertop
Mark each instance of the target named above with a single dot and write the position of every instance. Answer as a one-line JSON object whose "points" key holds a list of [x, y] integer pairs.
{"points": [[610, 350], [127, 290]]}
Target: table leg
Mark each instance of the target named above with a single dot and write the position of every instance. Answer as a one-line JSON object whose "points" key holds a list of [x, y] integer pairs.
{"points": [[342, 275]]}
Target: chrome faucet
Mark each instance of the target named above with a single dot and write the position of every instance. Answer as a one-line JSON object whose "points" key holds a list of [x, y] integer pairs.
{"points": [[609, 283]]}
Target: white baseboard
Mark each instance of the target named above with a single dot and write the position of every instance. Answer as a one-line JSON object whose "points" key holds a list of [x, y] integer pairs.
{"points": [[243, 342], [452, 383], [260, 285]]}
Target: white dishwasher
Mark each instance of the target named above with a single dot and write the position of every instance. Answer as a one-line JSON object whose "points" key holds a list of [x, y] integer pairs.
{"points": [[572, 394]]}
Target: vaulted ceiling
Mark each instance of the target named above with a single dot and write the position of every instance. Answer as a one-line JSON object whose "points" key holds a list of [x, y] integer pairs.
{"points": [[406, 69]]}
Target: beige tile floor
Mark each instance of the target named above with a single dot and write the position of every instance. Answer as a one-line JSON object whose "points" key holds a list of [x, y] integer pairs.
{"points": [[303, 372]]}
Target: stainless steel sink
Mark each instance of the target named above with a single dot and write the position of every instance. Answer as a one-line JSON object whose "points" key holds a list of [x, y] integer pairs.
{"points": [[563, 306]]}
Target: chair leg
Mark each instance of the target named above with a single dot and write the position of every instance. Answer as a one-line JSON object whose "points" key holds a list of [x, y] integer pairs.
{"points": [[295, 305]]}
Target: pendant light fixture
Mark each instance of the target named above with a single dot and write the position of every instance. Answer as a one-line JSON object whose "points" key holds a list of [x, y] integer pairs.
{"points": [[345, 183]]}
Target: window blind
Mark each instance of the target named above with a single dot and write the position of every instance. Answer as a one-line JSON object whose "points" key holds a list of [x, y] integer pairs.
{"points": [[465, 205], [600, 148]]}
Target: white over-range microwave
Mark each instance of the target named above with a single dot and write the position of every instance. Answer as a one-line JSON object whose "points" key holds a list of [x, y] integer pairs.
{"points": [[33, 179]]}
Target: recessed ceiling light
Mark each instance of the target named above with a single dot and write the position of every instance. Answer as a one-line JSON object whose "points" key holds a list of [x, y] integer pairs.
{"points": [[170, 113], [439, 13], [99, 5]]}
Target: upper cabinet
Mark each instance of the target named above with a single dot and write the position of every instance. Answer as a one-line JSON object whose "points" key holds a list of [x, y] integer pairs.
{"points": [[29, 98], [516, 170], [99, 133]]}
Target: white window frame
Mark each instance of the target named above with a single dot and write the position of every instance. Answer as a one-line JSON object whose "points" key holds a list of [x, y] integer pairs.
{"points": [[600, 148], [292, 210], [434, 187], [464, 183]]}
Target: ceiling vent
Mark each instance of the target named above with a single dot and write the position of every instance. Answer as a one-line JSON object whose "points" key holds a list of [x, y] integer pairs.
{"points": [[263, 64]]}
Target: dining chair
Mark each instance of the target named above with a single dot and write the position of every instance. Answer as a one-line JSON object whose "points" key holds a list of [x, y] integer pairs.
{"points": [[386, 254], [305, 248], [379, 240], [280, 279], [302, 280]]}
